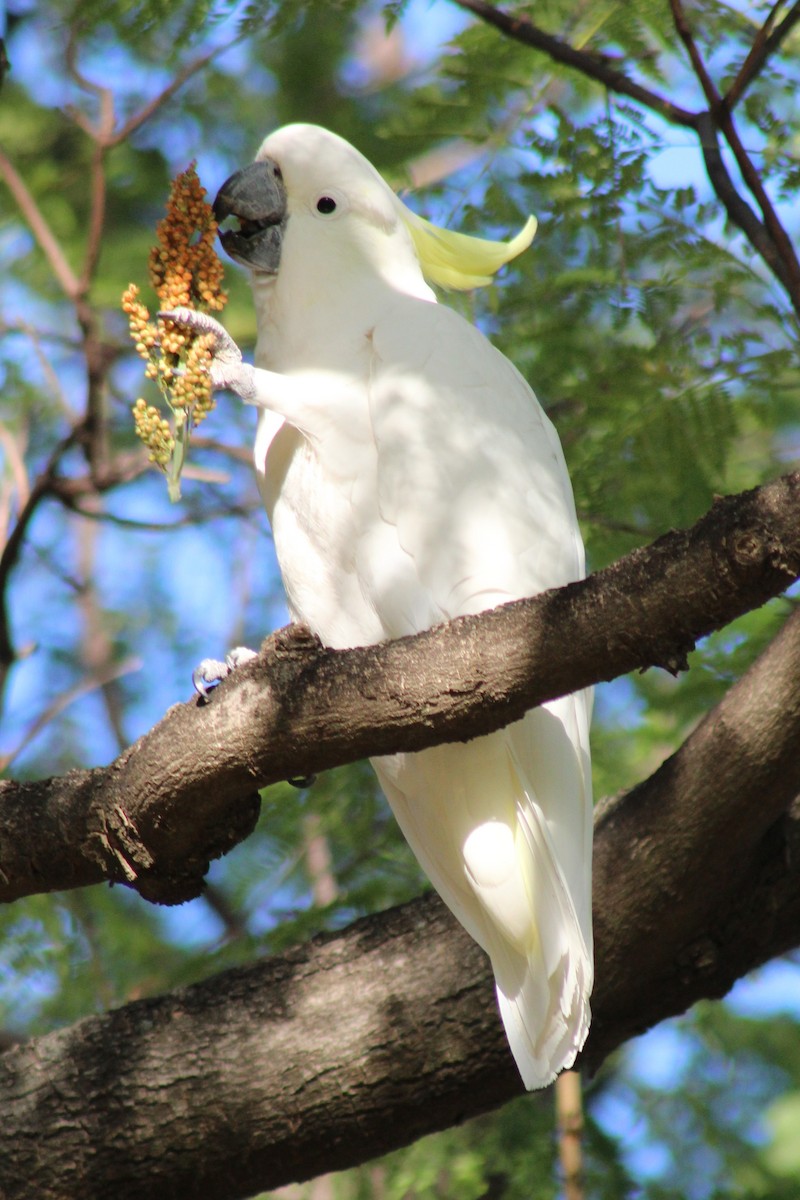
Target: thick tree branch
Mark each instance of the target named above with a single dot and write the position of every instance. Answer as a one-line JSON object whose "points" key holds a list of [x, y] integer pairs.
{"points": [[363, 1041], [300, 708], [706, 831]]}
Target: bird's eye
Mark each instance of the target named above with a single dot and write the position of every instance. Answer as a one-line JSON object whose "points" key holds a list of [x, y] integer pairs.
{"points": [[326, 205]]}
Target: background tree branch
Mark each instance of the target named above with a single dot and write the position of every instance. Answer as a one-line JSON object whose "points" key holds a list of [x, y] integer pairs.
{"points": [[593, 66], [769, 238], [780, 255], [766, 43]]}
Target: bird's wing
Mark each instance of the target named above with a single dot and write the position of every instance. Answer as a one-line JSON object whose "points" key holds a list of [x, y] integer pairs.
{"points": [[471, 475], [473, 487]]}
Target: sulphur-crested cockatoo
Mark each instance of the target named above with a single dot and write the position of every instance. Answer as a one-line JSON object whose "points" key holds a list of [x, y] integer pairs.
{"points": [[410, 476]]}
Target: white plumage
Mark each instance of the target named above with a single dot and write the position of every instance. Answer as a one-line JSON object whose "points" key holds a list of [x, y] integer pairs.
{"points": [[410, 477]]}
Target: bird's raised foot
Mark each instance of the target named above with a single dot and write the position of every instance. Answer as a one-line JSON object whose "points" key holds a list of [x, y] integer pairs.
{"points": [[227, 368]]}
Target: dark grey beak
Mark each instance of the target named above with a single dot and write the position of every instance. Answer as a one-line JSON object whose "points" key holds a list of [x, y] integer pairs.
{"points": [[256, 197]]}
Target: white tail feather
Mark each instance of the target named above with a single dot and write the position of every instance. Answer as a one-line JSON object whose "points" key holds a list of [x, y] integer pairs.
{"points": [[513, 863]]}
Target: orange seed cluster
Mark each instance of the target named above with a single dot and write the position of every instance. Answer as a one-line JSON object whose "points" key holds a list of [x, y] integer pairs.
{"points": [[184, 271]]}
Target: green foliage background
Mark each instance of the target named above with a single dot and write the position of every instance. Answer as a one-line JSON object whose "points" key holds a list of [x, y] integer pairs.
{"points": [[664, 352]]}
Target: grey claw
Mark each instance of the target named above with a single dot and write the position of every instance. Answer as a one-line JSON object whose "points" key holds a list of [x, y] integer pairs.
{"points": [[238, 656], [225, 347], [208, 674], [211, 672]]}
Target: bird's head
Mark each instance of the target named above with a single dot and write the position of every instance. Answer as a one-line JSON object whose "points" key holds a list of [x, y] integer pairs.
{"points": [[311, 187]]}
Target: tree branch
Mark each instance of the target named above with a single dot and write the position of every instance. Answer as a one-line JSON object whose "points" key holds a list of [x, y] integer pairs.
{"points": [[360, 1042], [301, 708], [144, 114], [789, 272], [522, 29], [125, 466], [769, 239], [738, 210], [766, 42], [41, 488], [94, 352], [97, 679], [39, 228]]}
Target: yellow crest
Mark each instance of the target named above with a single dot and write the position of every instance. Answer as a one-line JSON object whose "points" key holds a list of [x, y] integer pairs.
{"points": [[459, 261]]}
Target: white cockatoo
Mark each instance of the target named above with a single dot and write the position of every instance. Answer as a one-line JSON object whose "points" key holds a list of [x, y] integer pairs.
{"points": [[410, 476]]}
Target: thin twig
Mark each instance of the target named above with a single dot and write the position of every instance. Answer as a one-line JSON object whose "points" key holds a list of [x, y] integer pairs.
{"points": [[16, 462], [4, 63], [95, 443], [34, 332], [41, 488], [591, 65], [100, 132], [190, 520], [124, 468], [94, 238], [767, 41], [53, 382], [104, 126], [789, 271], [233, 921], [239, 454], [736, 207], [144, 114], [88, 684], [40, 228]]}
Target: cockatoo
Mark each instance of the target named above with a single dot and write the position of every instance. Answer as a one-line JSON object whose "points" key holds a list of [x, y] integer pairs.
{"points": [[410, 477]]}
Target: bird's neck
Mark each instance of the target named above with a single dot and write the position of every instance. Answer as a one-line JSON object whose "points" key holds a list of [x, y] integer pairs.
{"points": [[310, 323]]}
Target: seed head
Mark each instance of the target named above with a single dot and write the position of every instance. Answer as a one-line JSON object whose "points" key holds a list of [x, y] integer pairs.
{"points": [[184, 271]]}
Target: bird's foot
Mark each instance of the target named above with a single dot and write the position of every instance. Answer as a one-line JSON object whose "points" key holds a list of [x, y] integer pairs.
{"points": [[227, 368], [211, 671]]}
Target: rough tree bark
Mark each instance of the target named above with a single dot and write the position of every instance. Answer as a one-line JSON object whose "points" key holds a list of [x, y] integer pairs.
{"points": [[362, 1041], [300, 708]]}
